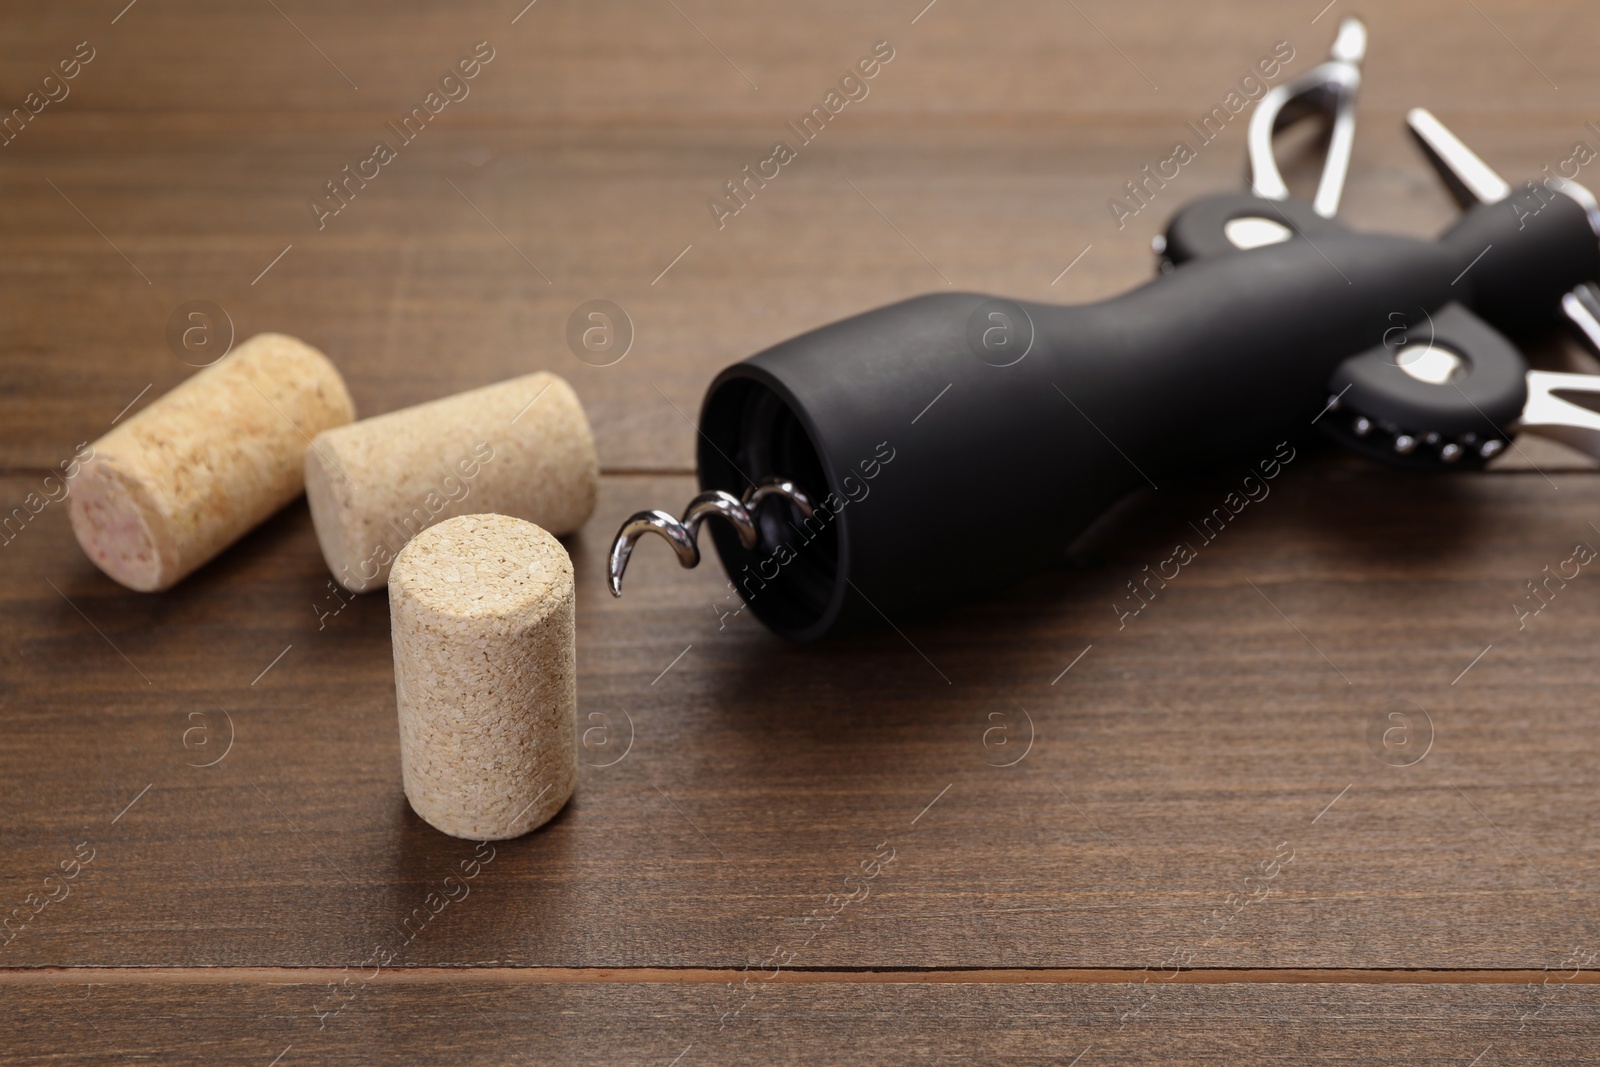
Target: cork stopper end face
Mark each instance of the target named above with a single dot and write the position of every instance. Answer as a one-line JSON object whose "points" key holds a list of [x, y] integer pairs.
{"points": [[111, 526], [325, 486], [482, 567]]}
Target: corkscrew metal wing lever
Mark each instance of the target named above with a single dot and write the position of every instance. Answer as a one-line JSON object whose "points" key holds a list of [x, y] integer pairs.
{"points": [[1328, 87], [1582, 306], [1553, 409], [1268, 214], [683, 534], [1471, 179]]}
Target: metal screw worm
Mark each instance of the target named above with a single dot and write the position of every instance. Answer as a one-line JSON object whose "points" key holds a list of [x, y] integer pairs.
{"points": [[682, 534]]}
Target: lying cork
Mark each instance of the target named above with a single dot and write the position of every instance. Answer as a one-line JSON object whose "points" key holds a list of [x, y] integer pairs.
{"points": [[521, 448], [190, 474], [485, 671]]}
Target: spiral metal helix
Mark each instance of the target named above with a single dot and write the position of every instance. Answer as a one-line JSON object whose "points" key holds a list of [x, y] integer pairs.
{"points": [[682, 534]]}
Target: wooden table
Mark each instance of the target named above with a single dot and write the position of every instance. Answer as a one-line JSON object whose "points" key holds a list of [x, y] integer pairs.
{"points": [[1170, 842]]}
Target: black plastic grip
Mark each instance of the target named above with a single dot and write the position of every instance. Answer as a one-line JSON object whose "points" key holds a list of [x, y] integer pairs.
{"points": [[1514, 259], [1199, 231], [1011, 462], [1381, 402], [1519, 256]]}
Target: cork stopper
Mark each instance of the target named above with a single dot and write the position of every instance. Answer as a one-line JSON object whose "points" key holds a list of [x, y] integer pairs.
{"points": [[186, 477], [520, 447], [482, 615]]}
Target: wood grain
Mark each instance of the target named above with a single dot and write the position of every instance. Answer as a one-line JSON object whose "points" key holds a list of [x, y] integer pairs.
{"points": [[1169, 764], [466, 1021], [638, 57]]}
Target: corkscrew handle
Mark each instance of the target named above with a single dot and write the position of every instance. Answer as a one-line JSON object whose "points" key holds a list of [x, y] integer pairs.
{"points": [[952, 443]]}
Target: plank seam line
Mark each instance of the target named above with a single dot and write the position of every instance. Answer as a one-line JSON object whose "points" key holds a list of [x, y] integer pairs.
{"points": [[141, 975]]}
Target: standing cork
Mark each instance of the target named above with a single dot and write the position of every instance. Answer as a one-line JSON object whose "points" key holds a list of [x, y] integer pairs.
{"points": [[485, 670], [190, 474], [521, 448]]}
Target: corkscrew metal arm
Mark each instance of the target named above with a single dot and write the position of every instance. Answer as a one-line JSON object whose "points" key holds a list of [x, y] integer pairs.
{"points": [[1330, 87], [683, 534], [1563, 407]]}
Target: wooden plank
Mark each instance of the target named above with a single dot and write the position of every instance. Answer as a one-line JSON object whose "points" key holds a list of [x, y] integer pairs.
{"points": [[1029, 57], [466, 1020], [415, 295], [1170, 766]]}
